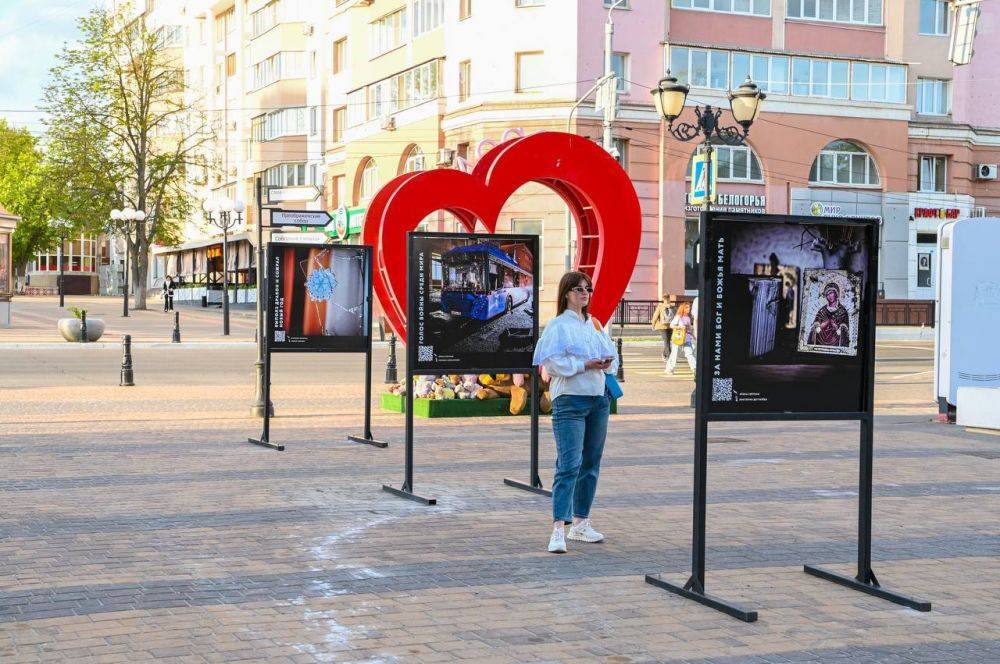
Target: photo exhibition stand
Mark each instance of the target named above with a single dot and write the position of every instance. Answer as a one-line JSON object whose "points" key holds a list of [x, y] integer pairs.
{"points": [[864, 581], [534, 483], [367, 438]]}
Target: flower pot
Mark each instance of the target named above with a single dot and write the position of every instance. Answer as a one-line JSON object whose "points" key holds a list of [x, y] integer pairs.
{"points": [[69, 328]]}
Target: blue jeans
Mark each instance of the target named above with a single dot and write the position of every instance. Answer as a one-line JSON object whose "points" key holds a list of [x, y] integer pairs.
{"points": [[580, 424]]}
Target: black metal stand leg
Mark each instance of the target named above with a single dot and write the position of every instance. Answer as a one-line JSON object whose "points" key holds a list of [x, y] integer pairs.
{"points": [[406, 491], [865, 580], [367, 439], [265, 438], [535, 484], [694, 589]]}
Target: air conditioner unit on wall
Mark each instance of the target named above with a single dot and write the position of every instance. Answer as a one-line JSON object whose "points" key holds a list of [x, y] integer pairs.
{"points": [[446, 157], [985, 172]]}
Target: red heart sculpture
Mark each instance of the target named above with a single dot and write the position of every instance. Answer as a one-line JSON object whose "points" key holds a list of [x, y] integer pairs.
{"points": [[598, 192]]}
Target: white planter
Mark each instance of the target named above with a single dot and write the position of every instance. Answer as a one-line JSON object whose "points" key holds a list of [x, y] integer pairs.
{"points": [[70, 329]]}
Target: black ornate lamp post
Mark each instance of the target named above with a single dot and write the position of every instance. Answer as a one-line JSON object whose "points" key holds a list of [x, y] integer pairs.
{"points": [[225, 221], [126, 217], [669, 97], [63, 228]]}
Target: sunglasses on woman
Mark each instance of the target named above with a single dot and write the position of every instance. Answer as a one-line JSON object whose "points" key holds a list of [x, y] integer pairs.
{"points": [[582, 289]]}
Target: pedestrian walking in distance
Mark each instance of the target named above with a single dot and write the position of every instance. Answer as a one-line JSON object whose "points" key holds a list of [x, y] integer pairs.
{"points": [[681, 338], [168, 293], [662, 315], [576, 353]]}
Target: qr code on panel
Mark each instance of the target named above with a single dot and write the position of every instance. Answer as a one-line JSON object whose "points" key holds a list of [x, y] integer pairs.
{"points": [[279, 336], [425, 353], [722, 389]]}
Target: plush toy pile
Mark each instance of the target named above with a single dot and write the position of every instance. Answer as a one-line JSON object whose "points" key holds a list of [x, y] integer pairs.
{"points": [[516, 387]]}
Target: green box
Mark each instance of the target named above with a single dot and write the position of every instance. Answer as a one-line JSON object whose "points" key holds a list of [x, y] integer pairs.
{"points": [[396, 403]]}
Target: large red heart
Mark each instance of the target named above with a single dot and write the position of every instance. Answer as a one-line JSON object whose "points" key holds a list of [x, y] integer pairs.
{"points": [[598, 192]]}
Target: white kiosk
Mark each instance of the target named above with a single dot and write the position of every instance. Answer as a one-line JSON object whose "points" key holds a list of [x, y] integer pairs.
{"points": [[8, 222], [967, 355]]}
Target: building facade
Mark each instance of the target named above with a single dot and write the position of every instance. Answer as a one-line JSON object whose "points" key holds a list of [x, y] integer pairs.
{"points": [[864, 115]]}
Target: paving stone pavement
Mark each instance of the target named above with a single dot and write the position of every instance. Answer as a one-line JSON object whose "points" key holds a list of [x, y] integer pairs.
{"points": [[137, 526]]}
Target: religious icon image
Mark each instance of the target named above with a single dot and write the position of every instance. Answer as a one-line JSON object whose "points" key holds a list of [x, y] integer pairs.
{"points": [[830, 306]]}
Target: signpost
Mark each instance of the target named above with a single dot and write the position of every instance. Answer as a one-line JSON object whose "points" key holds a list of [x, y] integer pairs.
{"points": [[300, 238], [312, 218], [303, 194], [702, 186]]}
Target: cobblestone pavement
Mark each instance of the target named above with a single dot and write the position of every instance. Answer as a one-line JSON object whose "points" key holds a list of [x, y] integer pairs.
{"points": [[137, 526]]}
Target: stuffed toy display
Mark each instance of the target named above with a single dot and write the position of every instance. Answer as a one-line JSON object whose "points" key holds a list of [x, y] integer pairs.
{"points": [[516, 387]]}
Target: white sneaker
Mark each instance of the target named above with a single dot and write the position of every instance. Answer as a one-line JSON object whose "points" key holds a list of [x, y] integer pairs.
{"points": [[584, 532], [557, 543]]}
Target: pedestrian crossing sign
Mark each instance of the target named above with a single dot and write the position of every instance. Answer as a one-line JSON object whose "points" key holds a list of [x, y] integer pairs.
{"points": [[702, 186]]}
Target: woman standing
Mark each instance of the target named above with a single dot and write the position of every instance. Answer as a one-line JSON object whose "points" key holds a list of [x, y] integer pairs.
{"points": [[660, 322], [576, 353], [681, 338]]}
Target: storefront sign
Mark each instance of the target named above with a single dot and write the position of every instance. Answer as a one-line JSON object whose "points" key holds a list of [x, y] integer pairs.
{"points": [[936, 213], [346, 222], [732, 203], [819, 209]]}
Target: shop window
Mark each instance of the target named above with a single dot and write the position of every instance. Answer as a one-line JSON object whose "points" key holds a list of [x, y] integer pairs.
{"points": [[843, 163], [932, 173]]}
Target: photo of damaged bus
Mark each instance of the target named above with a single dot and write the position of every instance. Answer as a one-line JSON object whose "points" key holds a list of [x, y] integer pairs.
{"points": [[482, 281]]}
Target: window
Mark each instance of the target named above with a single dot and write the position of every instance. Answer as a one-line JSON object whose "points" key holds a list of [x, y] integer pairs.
{"points": [[275, 12], [842, 11], [843, 162], [464, 80], [933, 17], [885, 83], [819, 78], [530, 74], [313, 123], [931, 176], [286, 175], [339, 115], [171, 35], [734, 164], [356, 108], [231, 65], [415, 160], [337, 191], [932, 96], [620, 145], [396, 93], [532, 227], [619, 65], [608, 4], [702, 68], [756, 7], [464, 9], [369, 181], [529, 3], [339, 55], [283, 122], [769, 72], [283, 65], [427, 15], [388, 32]]}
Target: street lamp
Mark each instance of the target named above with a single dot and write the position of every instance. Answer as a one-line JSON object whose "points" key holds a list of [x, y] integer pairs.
{"points": [[745, 102], [63, 228], [126, 216], [225, 220]]}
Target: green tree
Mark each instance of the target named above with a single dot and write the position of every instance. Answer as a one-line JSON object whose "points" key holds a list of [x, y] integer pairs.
{"points": [[123, 130], [25, 191]]}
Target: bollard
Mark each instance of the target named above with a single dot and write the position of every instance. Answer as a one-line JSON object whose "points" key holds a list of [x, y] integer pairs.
{"points": [[83, 327], [621, 362], [390, 365], [176, 339], [127, 377]]}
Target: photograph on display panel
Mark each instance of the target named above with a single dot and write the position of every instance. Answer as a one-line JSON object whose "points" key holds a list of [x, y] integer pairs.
{"points": [[787, 330], [319, 297], [473, 301]]}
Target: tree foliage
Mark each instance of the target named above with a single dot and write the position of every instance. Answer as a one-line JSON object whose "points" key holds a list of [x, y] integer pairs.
{"points": [[123, 131]]}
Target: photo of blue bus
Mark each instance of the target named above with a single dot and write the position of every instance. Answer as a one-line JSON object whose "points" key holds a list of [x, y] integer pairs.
{"points": [[481, 281]]}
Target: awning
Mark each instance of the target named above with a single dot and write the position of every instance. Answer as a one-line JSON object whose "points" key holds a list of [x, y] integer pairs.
{"points": [[203, 242]]}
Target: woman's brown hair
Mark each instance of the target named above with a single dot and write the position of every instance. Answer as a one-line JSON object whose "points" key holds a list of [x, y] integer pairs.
{"points": [[568, 281], [684, 309]]}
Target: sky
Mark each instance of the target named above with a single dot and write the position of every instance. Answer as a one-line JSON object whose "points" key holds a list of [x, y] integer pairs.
{"points": [[32, 32]]}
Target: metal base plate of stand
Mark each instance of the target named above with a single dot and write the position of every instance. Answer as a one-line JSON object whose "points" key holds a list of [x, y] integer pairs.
{"points": [[734, 610], [404, 493], [518, 484], [263, 442], [368, 441], [869, 588]]}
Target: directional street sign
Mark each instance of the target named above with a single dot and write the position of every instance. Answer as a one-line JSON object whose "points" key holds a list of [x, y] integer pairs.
{"points": [[316, 218], [300, 238], [303, 194]]}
